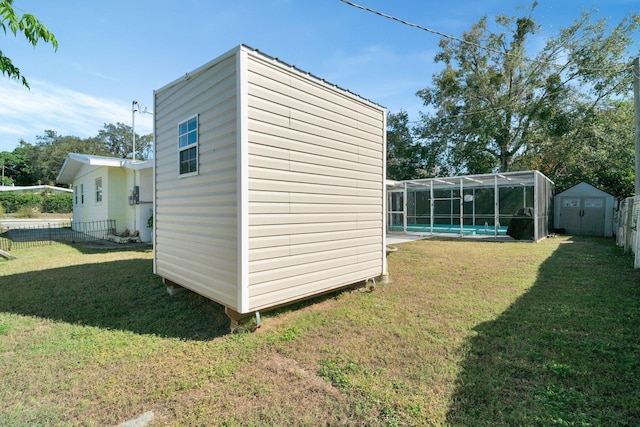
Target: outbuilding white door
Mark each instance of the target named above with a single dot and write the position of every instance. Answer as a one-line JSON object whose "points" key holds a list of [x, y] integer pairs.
{"points": [[582, 215]]}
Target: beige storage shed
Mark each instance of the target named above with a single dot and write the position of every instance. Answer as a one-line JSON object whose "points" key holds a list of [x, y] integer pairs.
{"points": [[269, 183], [585, 210]]}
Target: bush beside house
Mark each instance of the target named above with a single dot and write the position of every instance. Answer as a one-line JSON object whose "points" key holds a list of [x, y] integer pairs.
{"points": [[43, 202], [57, 203]]}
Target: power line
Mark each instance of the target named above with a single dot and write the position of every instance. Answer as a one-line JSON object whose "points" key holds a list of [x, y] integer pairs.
{"points": [[420, 27], [450, 37]]}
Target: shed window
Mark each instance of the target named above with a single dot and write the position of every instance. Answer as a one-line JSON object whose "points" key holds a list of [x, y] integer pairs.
{"points": [[570, 203], [594, 203], [188, 147], [99, 190]]}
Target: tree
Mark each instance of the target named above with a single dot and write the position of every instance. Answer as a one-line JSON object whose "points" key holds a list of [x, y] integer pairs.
{"points": [[18, 165], [493, 106], [405, 157], [42, 162], [117, 139], [601, 154], [27, 24], [17, 170], [7, 164]]}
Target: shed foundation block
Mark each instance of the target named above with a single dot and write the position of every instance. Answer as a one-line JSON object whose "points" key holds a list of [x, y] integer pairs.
{"points": [[239, 321], [172, 288], [383, 279]]}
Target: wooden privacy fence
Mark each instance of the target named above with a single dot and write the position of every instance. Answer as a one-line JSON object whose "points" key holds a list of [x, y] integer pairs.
{"points": [[627, 235], [46, 234]]}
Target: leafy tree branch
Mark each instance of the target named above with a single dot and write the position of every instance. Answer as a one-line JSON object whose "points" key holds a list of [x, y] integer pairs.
{"points": [[32, 29]]}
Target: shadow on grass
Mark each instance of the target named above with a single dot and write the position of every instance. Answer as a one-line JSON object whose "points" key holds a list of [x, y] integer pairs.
{"points": [[122, 295], [566, 353]]}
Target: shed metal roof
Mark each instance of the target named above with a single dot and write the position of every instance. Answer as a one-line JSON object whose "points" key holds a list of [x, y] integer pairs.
{"points": [[246, 48]]}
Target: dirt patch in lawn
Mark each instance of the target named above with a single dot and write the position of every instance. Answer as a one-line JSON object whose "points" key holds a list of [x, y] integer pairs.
{"points": [[274, 388]]}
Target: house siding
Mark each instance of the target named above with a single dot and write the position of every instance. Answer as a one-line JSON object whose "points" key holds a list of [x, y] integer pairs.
{"points": [[196, 217], [316, 183], [114, 197], [119, 182], [144, 179], [118, 179], [83, 184]]}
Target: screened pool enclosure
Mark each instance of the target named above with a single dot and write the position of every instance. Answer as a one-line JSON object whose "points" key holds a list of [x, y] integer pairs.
{"points": [[518, 204]]}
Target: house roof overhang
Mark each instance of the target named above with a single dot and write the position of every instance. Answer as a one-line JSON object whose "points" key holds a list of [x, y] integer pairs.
{"points": [[74, 163]]}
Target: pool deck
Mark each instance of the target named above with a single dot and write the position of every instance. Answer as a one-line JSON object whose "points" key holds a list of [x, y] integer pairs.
{"points": [[394, 239], [398, 238]]}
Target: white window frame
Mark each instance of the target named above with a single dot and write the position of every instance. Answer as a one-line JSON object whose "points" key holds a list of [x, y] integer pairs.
{"points": [[189, 140], [99, 191]]}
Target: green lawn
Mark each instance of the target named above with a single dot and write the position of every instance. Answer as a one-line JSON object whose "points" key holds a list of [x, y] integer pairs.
{"points": [[469, 333]]}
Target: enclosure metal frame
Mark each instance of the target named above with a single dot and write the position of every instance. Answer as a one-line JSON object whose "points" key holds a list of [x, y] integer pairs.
{"points": [[543, 189]]}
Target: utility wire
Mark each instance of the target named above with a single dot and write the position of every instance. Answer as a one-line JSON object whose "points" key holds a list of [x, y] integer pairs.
{"points": [[450, 37], [420, 27], [447, 36]]}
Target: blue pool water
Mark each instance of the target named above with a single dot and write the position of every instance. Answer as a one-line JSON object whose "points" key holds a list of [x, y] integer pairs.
{"points": [[454, 229]]}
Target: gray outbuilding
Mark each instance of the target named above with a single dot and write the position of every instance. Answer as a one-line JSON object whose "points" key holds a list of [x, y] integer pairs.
{"points": [[584, 210]]}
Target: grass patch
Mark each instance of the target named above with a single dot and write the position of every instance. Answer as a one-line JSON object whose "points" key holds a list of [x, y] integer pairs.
{"points": [[468, 333]]}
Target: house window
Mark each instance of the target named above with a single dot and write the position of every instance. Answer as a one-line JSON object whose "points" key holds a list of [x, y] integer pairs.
{"points": [[188, 147], [75, 194], [82, 194], [99, 190]]}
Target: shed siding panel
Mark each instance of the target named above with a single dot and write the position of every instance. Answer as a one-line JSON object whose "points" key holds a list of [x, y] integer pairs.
{"points": [[316, 186], [196, 216], [312, 284]]}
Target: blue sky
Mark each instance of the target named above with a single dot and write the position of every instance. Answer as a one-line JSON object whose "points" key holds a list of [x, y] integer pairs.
{"points": [[113, 52]]}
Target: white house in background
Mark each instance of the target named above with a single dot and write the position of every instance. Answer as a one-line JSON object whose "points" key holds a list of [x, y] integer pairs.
{"points": [[269, 183], [107, 188], [34, 189]]}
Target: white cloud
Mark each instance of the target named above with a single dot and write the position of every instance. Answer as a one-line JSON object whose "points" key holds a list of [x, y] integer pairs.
{"points": [[26, 113]]}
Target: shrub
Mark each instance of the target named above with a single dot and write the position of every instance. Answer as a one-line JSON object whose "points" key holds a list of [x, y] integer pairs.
{"points": [[9, 201], [45, 202], [27, 212], [2, 211], [13, 201], [58, 203]]}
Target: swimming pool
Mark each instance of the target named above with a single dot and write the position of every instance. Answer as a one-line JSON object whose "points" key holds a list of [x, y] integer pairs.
{"points": [[453, 229]]}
